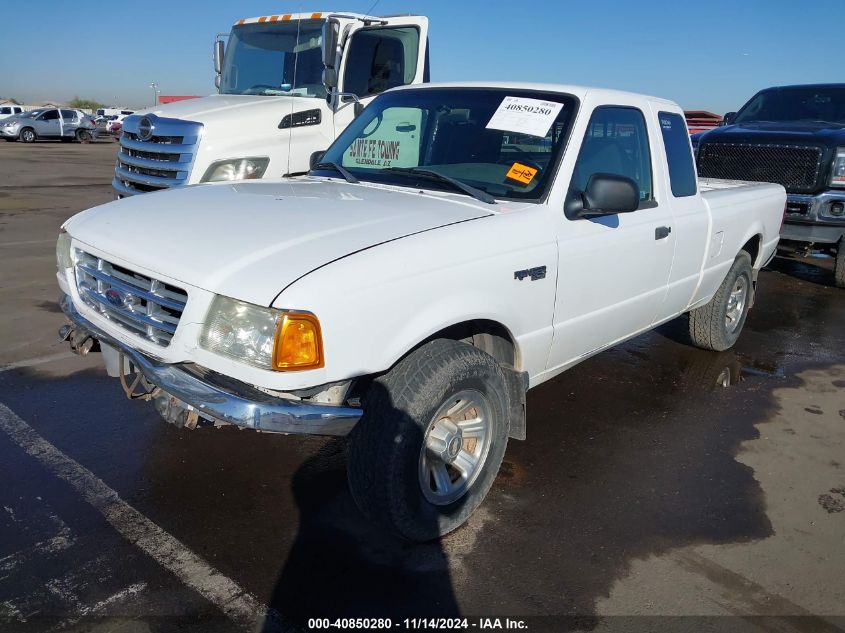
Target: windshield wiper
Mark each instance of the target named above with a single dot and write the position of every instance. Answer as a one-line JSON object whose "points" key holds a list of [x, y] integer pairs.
{"points": [[476, 193], [339, 169]]}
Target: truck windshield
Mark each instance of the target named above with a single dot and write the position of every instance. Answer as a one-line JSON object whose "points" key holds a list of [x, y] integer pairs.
{"points": [[503, 142], [806, 104], [274, 58]]}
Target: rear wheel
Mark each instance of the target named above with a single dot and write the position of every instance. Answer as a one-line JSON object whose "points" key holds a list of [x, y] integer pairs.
{"points": [[716, 325], [431, 440], [839, 264], [27, 135], [83, 136]]}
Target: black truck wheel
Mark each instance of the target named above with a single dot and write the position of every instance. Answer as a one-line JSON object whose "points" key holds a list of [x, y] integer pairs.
{"points": [[717, 324], [839, 264], [27, 135], [431, 440]]}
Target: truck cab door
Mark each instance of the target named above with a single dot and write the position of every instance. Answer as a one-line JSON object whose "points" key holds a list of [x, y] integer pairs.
{"points": [[387, 53], [613, 269]]}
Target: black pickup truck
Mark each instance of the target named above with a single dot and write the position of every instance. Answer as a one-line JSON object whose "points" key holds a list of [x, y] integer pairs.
{"points": [[794, 136]]}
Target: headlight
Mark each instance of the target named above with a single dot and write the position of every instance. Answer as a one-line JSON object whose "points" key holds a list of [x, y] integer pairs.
{"points": [[262, 337], [837, 178], [236, 169], [63, 257]]}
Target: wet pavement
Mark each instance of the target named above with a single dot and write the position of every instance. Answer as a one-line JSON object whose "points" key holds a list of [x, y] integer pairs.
{"points": [[656, 480]]}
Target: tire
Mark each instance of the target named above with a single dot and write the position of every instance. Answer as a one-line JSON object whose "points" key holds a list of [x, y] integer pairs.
{"points": [[28, 135], [409, 414], [716, 325], [83, 136], [839, 264]]}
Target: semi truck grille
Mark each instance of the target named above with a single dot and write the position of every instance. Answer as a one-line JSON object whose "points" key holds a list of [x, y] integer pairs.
{"points": [[160, 160], [144, 306], [795, 167]]}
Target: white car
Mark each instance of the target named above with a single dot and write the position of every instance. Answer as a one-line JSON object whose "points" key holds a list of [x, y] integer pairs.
{"points": [[48, 123], [9, 110], [456, 246]]}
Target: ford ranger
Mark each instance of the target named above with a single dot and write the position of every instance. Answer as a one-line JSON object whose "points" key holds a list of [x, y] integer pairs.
{"points": [[456, 246]]}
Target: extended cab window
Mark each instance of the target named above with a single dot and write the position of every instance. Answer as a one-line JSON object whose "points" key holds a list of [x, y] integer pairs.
{"points": [[616, 142], [380, 59], [682, 176]]}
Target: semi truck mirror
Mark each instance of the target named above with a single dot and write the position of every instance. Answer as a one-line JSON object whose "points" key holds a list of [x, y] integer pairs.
{"points": [[219, 52], [329, 78], [331, 32]]}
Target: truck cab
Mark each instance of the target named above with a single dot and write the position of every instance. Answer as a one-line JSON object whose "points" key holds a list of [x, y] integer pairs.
{"points": [[288, 84]]}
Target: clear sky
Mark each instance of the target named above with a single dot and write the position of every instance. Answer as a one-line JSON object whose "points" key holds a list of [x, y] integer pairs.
{"points": [[708, 54]]}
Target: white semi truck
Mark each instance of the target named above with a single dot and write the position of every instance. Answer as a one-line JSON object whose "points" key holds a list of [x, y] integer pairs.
{"points": [[288, 84]]}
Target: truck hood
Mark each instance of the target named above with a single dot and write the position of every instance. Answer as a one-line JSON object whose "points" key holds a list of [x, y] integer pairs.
{"points": [[251, 240], [818, 134], [214, 108]]}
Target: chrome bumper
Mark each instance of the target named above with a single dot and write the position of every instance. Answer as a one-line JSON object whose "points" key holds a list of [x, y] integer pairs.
{"points": [[237, 403]]}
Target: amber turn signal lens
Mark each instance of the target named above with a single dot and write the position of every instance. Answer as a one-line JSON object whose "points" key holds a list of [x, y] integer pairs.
{"points": [[299, 342]]}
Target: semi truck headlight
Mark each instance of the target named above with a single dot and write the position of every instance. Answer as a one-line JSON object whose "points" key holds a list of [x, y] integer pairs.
{"points": [[837, 178], [262, 337], [236, 169], [63, 257]]}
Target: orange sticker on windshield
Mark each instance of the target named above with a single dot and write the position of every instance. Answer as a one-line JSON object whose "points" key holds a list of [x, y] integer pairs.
{"points": [[521, 173]]}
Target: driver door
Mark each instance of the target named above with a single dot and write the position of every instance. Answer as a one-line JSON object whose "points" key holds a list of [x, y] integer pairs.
{"points": [[391, 53], [47, 125]]}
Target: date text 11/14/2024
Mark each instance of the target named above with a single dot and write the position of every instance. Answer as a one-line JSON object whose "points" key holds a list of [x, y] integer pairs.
{"points": [[417, 624]]}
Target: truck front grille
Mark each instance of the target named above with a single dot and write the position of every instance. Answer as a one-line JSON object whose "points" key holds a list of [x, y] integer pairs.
{"points": [[161, 161], [139, 304], [795, 167]]}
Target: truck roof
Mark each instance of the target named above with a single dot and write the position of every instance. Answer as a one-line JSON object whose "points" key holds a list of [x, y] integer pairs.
{"points": [[811, 86], [317, 15], [578, 91]]}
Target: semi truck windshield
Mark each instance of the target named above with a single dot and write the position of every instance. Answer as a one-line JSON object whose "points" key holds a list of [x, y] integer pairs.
{"points": [[274, 58]]}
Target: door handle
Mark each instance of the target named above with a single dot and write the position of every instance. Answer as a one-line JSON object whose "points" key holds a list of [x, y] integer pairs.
{"points": [[662, 232]]}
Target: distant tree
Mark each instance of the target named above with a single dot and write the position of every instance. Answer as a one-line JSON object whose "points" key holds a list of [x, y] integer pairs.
{"points": [[85, 104], [11, 100]]}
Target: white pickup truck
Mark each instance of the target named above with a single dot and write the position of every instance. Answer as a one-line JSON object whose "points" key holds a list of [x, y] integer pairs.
{"points": [[456, 246]]}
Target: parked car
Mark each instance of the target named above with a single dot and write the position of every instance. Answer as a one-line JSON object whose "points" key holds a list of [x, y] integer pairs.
{"points": [[422, 277], [9, 110], [48, 123], [794, 136]]}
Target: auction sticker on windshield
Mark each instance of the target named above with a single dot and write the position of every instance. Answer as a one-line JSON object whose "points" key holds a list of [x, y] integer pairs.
{"points": [[528, 116], [521, 173]]}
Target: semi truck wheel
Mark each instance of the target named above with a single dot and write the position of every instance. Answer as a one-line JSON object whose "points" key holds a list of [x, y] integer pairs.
{"points": [[839, 264], [716, 325], [27, 135], [431, 440]]}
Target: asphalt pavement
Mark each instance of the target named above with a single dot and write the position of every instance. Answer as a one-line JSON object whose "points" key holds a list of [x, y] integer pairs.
{"points": [[660, 487]]}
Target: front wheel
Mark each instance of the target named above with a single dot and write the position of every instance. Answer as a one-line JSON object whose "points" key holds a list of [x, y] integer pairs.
{"points": [[717, 324], [431, 440], [839, 264], [27, 135]]}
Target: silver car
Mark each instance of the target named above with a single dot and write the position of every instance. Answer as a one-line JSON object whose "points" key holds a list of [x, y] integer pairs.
{"points": [[48, 123]]}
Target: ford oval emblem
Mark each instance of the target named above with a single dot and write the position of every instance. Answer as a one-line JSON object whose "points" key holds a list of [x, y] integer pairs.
{"points": [[145, 129], [116, 298]]}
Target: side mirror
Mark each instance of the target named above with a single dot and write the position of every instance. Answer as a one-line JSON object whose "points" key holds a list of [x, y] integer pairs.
{"points": [[329, 78], [728, 118], [219, 52], [315, 159], [606, 194], [331, 35]]}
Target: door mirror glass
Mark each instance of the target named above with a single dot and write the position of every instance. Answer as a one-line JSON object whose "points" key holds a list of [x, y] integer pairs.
{"points": [[219, 52], [331, 32]]}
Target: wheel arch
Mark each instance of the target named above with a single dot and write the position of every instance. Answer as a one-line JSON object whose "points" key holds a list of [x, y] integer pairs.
{"points": [[753, 246]]}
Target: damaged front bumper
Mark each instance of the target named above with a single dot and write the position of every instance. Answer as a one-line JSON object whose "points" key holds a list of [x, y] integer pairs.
{"points": [[186, 393]]}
